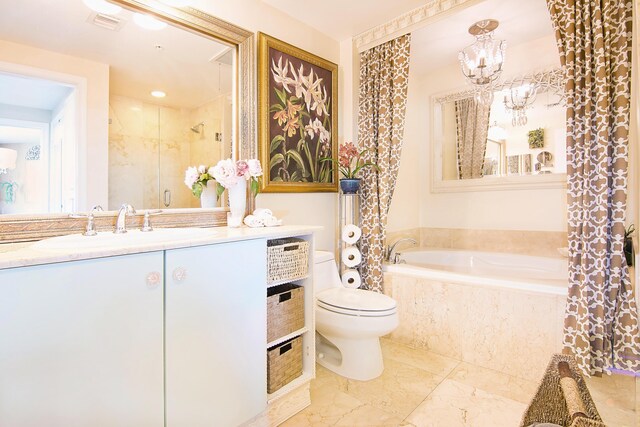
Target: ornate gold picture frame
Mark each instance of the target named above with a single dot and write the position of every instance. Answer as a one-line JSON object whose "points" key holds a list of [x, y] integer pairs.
{"points": [[297, 118]]}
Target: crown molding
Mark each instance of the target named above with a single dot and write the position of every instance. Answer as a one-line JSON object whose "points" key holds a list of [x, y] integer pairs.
{"points": [[407, 22]]}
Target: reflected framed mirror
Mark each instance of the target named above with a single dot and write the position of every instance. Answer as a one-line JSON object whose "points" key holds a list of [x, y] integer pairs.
{"points": [[501, 144], [80, 90]]}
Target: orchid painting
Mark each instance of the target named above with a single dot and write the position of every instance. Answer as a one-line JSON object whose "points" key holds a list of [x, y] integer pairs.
{"points": [[297, 116]]}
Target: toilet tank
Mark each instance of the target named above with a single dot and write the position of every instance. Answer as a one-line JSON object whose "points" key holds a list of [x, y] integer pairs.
{"points": [[325, 271]]}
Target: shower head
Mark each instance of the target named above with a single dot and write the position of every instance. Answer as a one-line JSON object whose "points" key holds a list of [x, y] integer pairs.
{"points": [[197, 127]]}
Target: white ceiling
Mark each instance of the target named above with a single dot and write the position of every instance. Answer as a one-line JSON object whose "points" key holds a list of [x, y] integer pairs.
{"points": [[181, 68], [19, 135], [343, 19], [31, 93], [437, 44]]}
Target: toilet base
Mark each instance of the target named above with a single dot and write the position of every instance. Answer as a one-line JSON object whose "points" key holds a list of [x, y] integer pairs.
{"points": [[356, 359]]}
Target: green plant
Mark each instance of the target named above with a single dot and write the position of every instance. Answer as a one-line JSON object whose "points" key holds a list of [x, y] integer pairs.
{"points": [[628, 244], [349, 168], [536, 138]]}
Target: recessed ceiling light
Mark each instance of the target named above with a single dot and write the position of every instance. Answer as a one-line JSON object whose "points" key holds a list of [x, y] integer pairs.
{"points": [[178, 3], [147, 22], [102, 6], [158, 94]]}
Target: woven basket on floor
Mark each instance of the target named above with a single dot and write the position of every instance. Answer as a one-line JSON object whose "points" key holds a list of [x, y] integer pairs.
{"points": [[285, 310], [284, 364], [287, 259], [549, 405]]}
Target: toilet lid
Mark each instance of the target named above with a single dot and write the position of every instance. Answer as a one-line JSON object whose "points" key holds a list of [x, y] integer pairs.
{"points": [[356, 300]]}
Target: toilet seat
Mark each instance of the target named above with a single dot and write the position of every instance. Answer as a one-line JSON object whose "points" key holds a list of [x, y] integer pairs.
{"points": [[356, 302]]}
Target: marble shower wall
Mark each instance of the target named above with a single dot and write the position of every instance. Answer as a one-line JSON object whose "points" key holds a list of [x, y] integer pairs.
{"points": [[151, 146], [514, 332]]}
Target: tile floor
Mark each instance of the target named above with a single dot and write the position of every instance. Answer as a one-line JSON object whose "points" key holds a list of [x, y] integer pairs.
{"points": [[422, 389]]}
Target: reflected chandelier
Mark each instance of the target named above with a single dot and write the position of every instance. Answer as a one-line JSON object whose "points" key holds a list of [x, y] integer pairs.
{"points": [[482, 61], [518, 98]]}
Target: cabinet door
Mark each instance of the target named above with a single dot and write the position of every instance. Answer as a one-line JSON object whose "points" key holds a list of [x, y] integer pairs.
{"points": [[81, 343], [215, 326]]}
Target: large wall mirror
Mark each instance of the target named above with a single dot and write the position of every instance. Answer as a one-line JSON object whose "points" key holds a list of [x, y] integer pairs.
{"points": [[476, 141], [488, 143], [110, 102]]}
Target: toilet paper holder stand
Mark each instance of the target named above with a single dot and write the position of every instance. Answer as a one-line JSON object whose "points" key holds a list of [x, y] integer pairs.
{"points": [[349, 213]]}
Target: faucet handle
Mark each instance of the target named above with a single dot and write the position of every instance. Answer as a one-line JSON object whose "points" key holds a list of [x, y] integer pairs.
{"points": [[146, 224]]}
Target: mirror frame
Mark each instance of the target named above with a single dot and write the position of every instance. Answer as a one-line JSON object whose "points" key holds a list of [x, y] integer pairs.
{"points": [[550, 80], [28, 227]]}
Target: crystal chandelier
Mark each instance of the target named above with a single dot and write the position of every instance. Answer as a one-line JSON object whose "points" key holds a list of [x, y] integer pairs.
{"points": [[518, 97], [482, 61]]}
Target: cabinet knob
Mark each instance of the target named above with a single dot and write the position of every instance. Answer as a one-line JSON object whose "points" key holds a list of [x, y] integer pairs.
{"points": [[153, 279], [179, 274]]}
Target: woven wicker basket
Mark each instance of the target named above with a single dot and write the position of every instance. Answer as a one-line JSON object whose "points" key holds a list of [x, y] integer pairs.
{"points": [[284, 364], [287, 259], [285, 310], [549, 404]]}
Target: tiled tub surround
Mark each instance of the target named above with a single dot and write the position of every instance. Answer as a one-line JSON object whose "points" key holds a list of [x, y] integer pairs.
{"points": [[508, 324], [539, 243]]}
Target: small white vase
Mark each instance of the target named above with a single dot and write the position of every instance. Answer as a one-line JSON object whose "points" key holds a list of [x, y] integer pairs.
{"points": [[208, 198], [237, 203]]}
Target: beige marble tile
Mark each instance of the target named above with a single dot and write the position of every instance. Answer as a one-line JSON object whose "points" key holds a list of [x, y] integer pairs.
{"points": [[330, 407], [436, 364], [511, 332], [439, 317], [325, 377], [617, 390], [455, 404], [402, 289], [399, 389], [435, 237], [494, 382], [542, 243]]}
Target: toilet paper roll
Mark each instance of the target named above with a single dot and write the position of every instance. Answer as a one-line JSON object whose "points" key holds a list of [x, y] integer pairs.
{"points": [[351, 256], [351, 233], [351, 279]]}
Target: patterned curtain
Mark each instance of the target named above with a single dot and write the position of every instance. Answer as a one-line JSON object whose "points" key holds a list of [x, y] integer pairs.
{"points": [[384, 75], [472, 130], [594, 40]]}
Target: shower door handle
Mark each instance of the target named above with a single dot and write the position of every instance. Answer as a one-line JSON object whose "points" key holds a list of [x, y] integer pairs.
{"points": [[167, 198]]}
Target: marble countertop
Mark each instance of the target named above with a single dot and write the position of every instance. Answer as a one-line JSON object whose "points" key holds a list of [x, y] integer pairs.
{"points": [[25, 254]]}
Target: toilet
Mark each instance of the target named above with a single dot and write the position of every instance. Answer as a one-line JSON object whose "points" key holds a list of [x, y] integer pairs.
{"points": [[349, 323]]}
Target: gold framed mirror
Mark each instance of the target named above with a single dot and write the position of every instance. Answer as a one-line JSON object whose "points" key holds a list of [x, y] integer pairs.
{"points": [[241, 131]]}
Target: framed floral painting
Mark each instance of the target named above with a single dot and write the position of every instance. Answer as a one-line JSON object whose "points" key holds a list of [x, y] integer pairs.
{"points": [[297, 118]]}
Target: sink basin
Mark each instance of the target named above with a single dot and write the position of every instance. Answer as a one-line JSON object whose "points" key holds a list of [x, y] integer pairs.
{"points": [[109, 240]]}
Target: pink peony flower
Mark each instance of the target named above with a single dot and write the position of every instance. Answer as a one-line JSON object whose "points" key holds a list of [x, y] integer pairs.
{"points": [[242, 168], [225, 173], [255, 168]]}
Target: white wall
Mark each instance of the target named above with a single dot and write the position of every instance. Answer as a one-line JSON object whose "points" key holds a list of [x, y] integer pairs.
{"points": [[27, 60], [414, 205], [255, 15]]}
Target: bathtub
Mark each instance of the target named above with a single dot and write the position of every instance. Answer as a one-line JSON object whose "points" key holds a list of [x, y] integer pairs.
{"points": [[500, 311], [501, 270]]}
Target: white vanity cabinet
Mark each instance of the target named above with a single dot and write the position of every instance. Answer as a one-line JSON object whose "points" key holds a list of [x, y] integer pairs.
{"points": [[81, 343], [172, 337], [215, 328]]}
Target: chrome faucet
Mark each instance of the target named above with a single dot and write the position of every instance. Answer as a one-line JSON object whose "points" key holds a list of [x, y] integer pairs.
{"points": [[121, 223], [391, 255], [91, 229]]}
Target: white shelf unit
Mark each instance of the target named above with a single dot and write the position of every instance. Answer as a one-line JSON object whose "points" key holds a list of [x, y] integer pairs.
{"points": [[308, 344]]}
